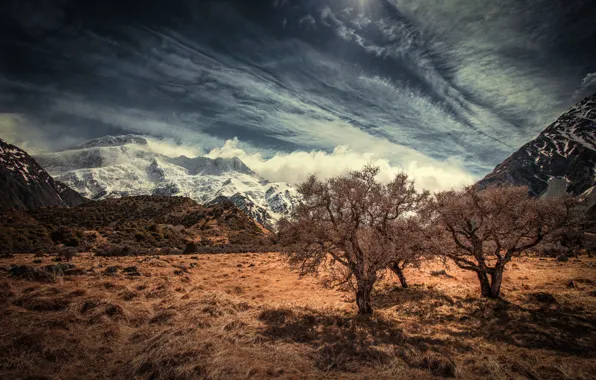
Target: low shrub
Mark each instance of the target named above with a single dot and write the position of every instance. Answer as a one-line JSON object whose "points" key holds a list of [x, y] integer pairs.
{"points": [[67, 236], [28, 273], [120, 250], [67, 253]]}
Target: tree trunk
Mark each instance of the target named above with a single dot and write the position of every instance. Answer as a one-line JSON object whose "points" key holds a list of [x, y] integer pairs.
{"points": [[485, 288], [400, 274], [495, 283], [363, 297]]}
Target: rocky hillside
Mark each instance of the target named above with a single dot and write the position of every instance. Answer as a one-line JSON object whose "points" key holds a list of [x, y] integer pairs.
{"points": [[117, 166], [148, 222], [561, 159], [24, 184]]}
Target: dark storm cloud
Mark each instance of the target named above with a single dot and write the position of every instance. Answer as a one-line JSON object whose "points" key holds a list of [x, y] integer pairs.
{"points": [[466, 81]]}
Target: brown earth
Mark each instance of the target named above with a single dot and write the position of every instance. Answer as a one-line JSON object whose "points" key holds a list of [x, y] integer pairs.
{"points": [[239, 316]]}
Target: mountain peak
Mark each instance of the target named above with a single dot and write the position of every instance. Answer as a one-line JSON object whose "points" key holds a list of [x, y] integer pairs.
{"points": [[565, 150], [112, 141]]}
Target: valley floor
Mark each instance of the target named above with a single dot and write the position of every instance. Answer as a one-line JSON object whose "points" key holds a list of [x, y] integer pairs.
{"points": [[240, 316]]}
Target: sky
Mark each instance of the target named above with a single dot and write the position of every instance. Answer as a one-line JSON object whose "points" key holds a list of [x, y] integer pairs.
{"points": [[444, 90]]}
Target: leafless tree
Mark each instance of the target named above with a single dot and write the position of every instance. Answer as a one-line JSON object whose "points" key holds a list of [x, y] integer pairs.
{"points": [[348, 224], [413, 242], [485, 230]]}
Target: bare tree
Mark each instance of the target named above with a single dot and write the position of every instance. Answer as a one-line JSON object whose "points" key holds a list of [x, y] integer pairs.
{"points": [[412, 241], [485, 230], [348, 224]]}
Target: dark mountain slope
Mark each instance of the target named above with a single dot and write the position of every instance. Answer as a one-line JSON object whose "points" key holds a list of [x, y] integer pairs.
{"points": [[564, 154], [24, 184]]}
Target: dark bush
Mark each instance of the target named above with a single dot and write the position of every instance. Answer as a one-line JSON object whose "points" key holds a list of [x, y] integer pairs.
{"points": [[5, 240], [111, 270], [67, 253], [119, 250], [168, 251], [58, 269], [30, 274], [235, 248], [191, 247], [67, 236]]}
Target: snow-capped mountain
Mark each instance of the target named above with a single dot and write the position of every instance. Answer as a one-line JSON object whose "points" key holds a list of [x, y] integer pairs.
{"points": [[113, 141], [561, 159], [115, 166], [24, 184]]}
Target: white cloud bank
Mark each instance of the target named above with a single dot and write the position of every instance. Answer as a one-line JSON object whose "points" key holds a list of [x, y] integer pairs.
{"points": [[297, 166]]}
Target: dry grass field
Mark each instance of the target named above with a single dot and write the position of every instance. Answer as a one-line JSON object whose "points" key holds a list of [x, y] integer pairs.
{"points": [[241, 316]]}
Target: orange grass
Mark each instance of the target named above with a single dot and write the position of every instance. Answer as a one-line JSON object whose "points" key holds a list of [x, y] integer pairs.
{"points": [[241, 316]]}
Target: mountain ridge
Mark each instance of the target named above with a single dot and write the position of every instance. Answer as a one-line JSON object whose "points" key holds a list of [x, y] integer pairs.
{"points": [[112, 141], [25, 184], [562, 154], [118, 166]]}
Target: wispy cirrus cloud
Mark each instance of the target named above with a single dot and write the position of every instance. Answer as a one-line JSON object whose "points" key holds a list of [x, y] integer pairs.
{"points": [[450, 86]]}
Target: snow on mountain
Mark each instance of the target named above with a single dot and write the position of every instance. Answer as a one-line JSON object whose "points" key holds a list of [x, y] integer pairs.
{"points": [[113, 141], [208, 166], [561, 159], [116, 166], [24, 184]]}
